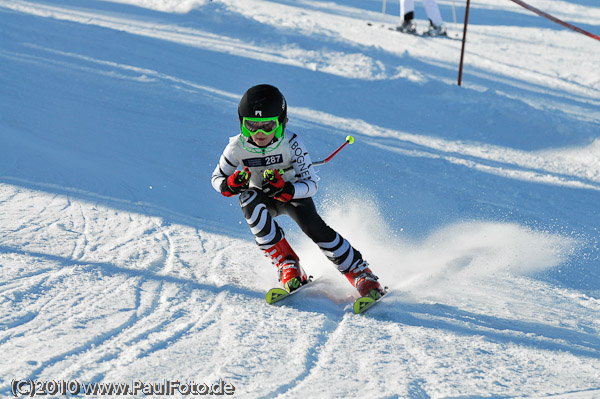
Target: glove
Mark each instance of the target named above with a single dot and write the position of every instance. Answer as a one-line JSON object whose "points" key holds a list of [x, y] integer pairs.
{"points": [[274, 186], [236, 183]]}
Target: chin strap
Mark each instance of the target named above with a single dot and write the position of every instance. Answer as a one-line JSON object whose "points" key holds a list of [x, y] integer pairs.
{"points": [[255, 149]]}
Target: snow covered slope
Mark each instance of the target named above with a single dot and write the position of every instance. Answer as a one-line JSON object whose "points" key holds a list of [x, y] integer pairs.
{"points": [[476, 205]]}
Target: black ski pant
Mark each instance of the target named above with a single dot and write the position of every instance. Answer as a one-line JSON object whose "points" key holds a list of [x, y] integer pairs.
{"points": [[260, 212]]}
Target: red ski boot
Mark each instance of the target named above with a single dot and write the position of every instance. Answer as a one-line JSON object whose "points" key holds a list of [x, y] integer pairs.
{"points": [[291, 274], [363, 279]]}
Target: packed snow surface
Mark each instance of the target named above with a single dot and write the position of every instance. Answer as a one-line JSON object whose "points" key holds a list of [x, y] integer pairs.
{"points": [[477, 205]]}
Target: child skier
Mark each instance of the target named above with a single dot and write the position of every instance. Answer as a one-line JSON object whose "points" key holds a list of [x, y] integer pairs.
{"points": [[264, 149]]}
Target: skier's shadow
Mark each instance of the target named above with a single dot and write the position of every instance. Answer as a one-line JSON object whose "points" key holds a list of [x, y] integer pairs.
{"points": [[495, 329]]}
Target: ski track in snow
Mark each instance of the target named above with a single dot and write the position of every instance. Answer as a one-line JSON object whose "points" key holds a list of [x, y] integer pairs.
{"points": [[105, 289], [145, 326], [164, 306]]}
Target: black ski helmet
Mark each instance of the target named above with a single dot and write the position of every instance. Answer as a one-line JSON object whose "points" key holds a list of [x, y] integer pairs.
{"points": [[263, 101]]}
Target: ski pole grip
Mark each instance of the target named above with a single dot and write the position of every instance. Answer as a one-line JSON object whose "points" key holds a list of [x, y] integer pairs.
{"points": [[270, 174], [243, 176]]}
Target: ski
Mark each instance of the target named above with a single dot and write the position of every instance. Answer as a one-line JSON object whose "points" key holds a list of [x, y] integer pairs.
{"points": [[364, 303], [418, 34], [277, 294], [446, 36], [360, 306]]}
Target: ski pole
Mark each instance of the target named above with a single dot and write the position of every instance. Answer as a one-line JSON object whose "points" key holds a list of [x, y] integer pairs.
{"points": [[349, 140]]}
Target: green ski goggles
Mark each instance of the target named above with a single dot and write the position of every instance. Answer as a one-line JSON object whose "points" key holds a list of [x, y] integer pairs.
{"points": [[268, 126]]}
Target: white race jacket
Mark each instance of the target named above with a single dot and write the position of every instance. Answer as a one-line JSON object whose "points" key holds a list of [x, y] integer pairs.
{"points": [[282, 153]]}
